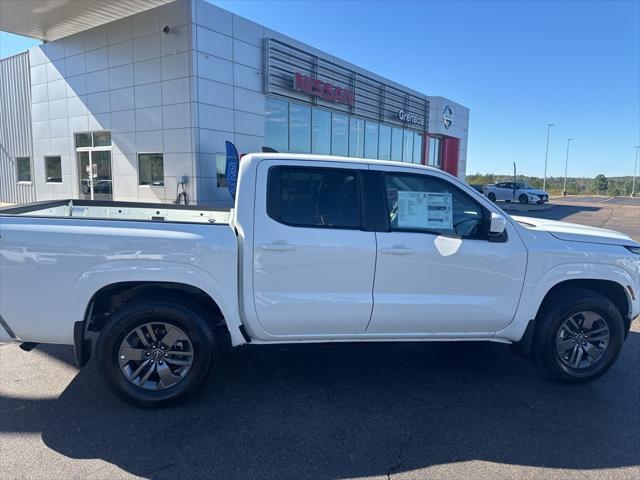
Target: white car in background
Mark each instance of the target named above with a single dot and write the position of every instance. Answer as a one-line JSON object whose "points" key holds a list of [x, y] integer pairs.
{"points": [[515, 191]]}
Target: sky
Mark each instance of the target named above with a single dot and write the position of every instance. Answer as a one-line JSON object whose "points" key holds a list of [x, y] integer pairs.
{"points": [[518, 66]]}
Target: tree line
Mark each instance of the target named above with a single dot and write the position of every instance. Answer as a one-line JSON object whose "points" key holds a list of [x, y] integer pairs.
{"points": [[599, 185]]}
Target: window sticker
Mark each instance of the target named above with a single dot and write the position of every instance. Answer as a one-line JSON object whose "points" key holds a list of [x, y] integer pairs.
{"points": [[427, 210]]}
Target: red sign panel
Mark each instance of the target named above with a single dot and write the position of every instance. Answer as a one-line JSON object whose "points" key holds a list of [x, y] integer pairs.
{"points": [[324, 90]]}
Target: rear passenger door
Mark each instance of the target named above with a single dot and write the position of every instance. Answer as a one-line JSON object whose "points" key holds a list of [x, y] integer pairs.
{"points": [[313, 265]]}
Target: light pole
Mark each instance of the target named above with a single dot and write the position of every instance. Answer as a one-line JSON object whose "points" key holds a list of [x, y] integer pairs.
{"points": [[566, 164], [546, 157], [635, 171]]}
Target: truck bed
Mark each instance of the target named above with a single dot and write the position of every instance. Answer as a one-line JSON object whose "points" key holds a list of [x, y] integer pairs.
{"points": [[106, 210]]}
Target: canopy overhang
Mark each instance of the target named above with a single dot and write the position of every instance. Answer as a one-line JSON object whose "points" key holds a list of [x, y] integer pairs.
{"points": [[50, 20]]}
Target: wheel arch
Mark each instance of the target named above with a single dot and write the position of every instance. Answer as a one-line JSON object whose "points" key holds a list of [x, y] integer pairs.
{"points": [[610, 289], [110, 297]]}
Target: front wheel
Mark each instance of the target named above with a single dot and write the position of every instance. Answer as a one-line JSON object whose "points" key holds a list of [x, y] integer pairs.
{"points": [[523, 198], [491, 196], [579, 337], [155, 351]]}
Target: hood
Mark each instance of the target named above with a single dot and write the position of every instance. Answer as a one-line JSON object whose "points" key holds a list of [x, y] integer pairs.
{"points": [[573, 232]]}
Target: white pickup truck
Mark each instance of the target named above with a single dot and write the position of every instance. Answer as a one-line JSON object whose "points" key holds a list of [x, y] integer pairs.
{"points": [[317, 249]]}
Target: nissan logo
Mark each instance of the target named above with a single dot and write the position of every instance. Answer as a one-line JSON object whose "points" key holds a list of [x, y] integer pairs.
{"points": [[447, 116]]}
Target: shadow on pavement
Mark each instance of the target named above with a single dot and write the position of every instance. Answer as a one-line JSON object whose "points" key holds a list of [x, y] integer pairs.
{"points": [[339, 410]]}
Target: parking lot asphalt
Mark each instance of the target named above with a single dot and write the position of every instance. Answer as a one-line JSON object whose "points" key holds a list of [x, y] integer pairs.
{"points": [[411, 411], [614, 213]]}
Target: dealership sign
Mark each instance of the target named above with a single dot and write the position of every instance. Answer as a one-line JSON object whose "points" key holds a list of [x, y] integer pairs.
{"points": [[410, 118], [447, 117], [325, 90]]}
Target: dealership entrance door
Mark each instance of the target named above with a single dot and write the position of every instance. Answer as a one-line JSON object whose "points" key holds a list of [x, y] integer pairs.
{"points": [[93, 150]]}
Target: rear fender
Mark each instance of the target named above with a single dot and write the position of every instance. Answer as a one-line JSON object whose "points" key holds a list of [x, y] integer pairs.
{"points": [[112, 272]]}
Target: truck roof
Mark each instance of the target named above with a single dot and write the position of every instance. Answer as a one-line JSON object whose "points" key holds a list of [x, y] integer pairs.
{"points": [[332, 158]]}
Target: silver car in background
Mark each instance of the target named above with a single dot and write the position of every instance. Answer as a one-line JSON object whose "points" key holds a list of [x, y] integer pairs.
{"points": [[515, 191]]}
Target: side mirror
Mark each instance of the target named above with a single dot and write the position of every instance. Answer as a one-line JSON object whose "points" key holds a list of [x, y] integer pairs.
{"points": [[497, 225]]}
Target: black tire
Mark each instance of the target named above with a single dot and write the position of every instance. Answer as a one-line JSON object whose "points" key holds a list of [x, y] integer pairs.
{"points": [[491, 196], [172, 311], [551, 319], [523, 198]]}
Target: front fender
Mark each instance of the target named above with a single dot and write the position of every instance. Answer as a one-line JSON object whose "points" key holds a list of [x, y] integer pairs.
{"points": [[536, 288]]}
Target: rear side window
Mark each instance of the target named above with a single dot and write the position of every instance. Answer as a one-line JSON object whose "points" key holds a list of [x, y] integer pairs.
{"points": [[314, 197]]}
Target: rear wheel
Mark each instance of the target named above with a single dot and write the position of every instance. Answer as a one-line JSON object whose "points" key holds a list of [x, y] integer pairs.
{"points": [[579, 336], [523, 198], [155, 351], [491, 196]]}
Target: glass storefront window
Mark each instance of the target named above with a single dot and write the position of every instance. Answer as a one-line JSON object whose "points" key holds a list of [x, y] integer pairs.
{"points": [[276, 134], [299, 128], [83, 140], [356, 137], [434, 152], [292, 127], [53, 169], [371, 140], [384, 144], [396, 144], [221, 167], [23, 165], [150, 169], [407, 147], [417, 148], [101, 139], [339, 135], [321, 132]]}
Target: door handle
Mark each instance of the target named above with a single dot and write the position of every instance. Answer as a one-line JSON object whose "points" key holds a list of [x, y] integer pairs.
{"points": [[277, 247], [397, 250]]}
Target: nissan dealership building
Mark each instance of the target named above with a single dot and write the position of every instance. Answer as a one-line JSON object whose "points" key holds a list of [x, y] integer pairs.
{"points": [[127, 98]]}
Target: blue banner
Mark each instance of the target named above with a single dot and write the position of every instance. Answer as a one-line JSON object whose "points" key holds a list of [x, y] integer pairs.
{"points": [[231, 168]]}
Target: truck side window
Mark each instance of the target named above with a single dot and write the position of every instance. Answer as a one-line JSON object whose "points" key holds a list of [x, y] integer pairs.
{"points": [[422, 203], [314, 197]]}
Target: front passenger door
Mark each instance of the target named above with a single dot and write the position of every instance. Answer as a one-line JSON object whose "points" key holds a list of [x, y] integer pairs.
{"points": [[436, 270]]}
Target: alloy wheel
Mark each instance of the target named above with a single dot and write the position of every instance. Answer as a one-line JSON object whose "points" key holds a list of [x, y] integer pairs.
{"points": [[155, 356], [582, 340]]}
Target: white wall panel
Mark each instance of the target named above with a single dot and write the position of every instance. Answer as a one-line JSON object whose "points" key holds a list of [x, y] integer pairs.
{"points": [[123, 121], [147, 72], [146, 22], [149, 95], [119, 31], [214, 43], [149, 141], [95, 38], [148, 119], [176, 91], [76, 85], [75, 65], [175, 66], [215, 93], [121, 77], [122, 99], [146, 47], [120, 54], [96, 60], [98, 81], [214, 18]]}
